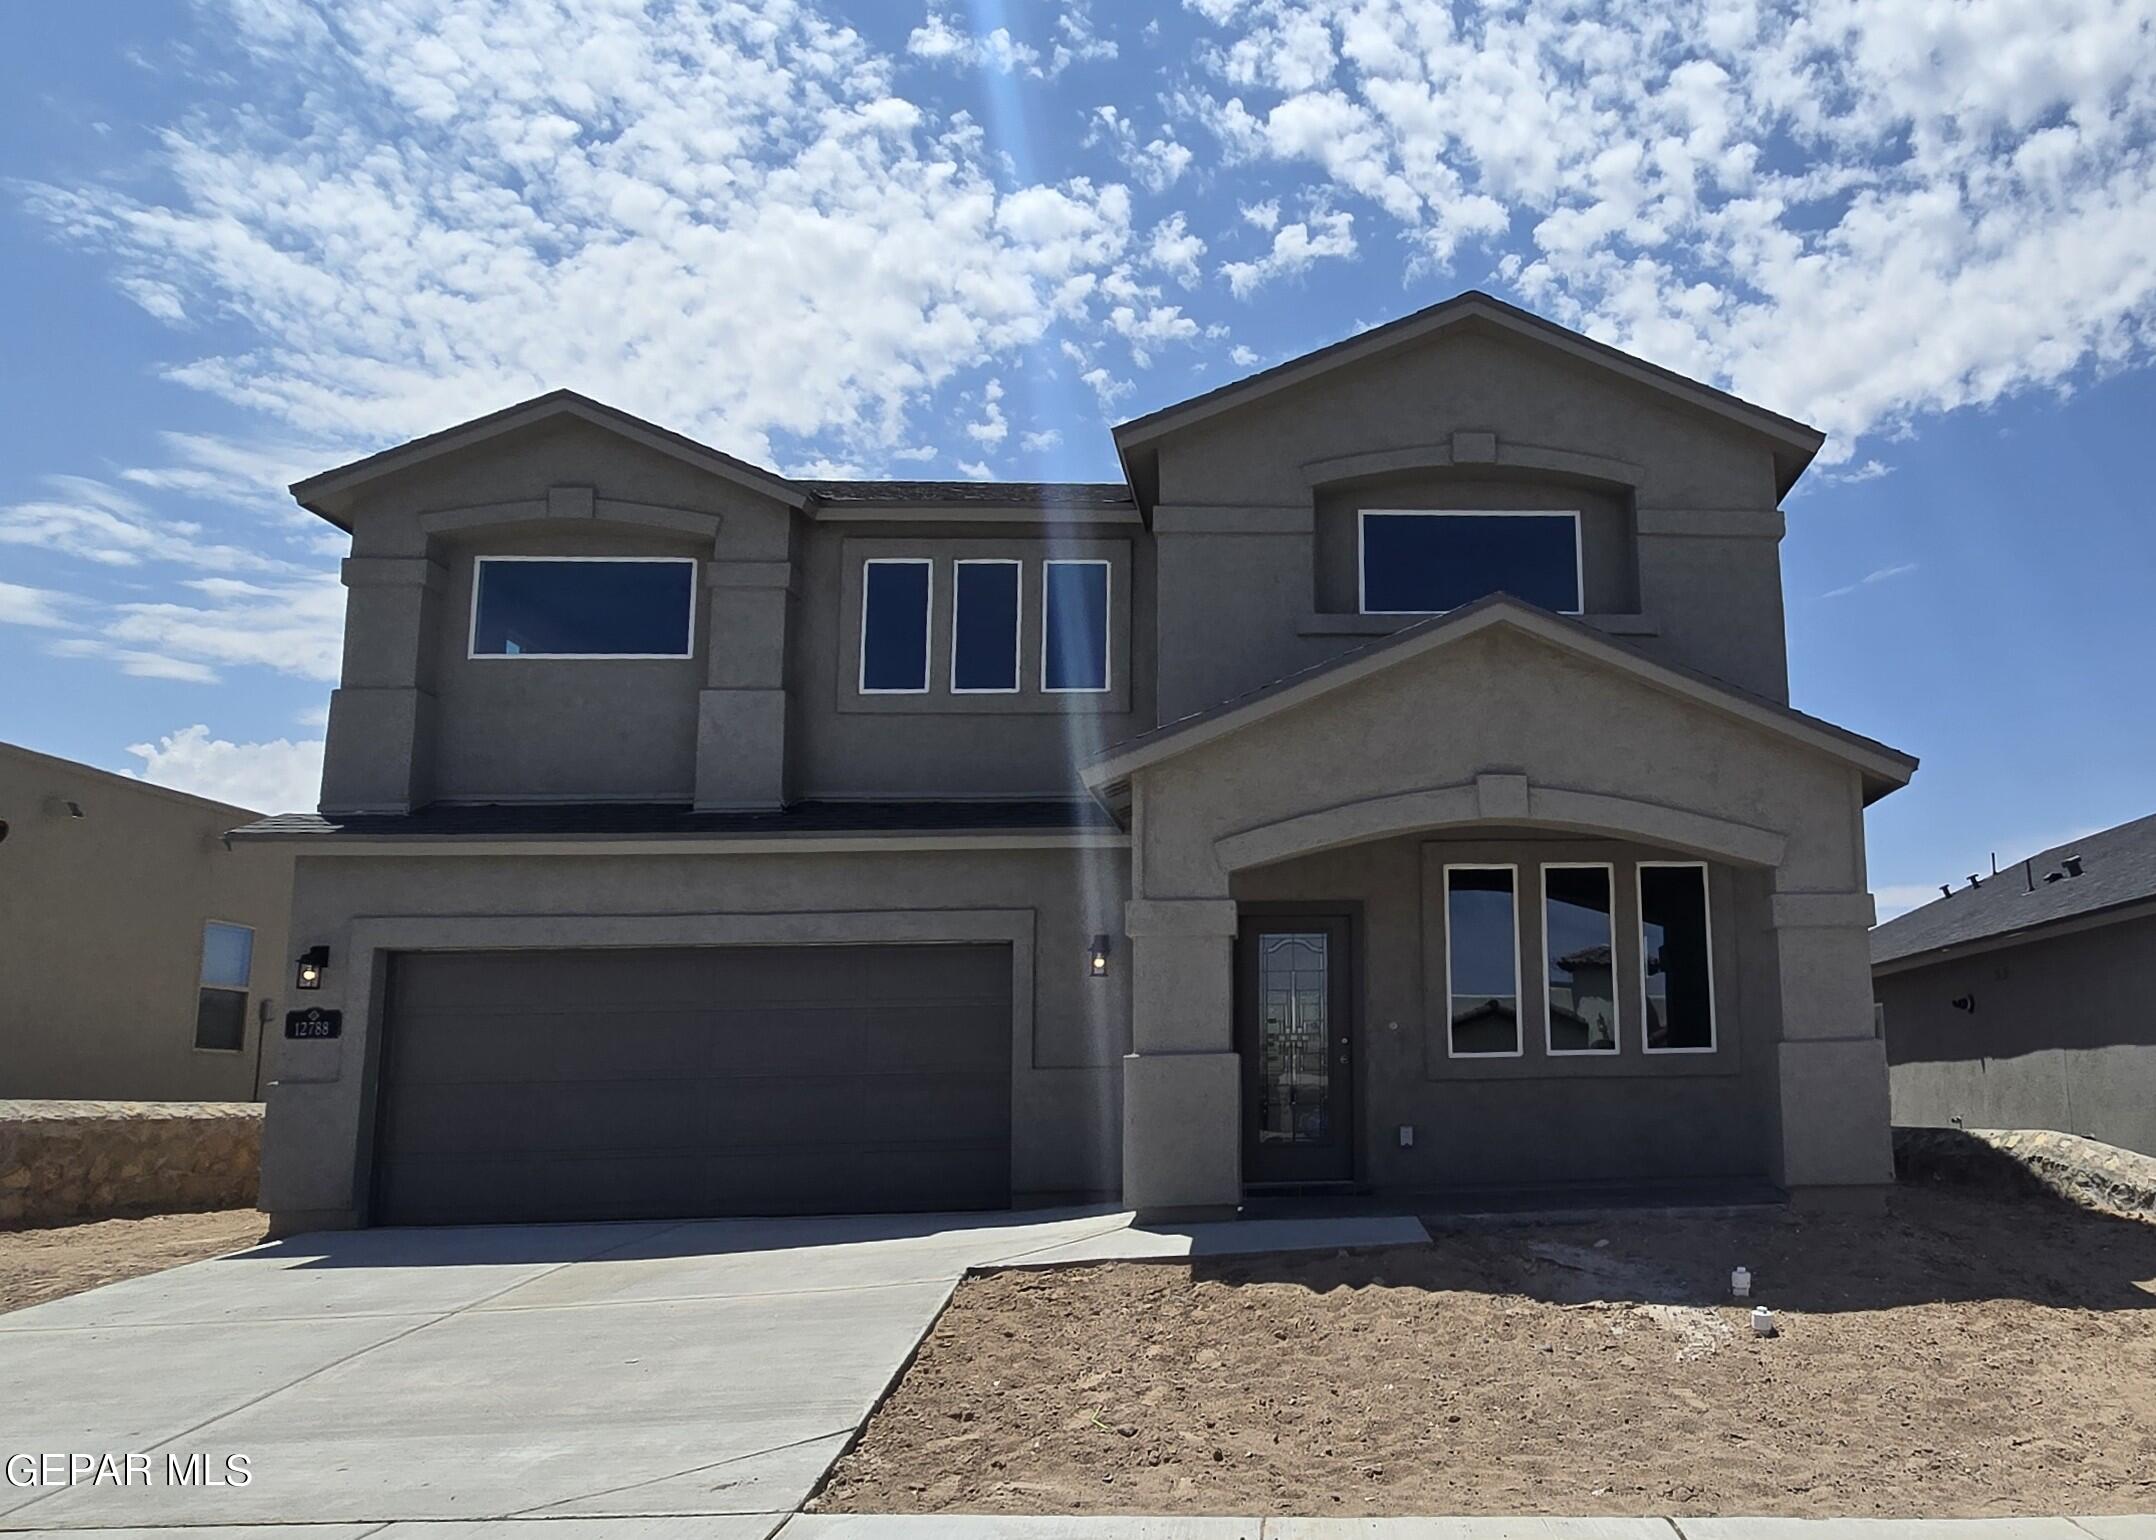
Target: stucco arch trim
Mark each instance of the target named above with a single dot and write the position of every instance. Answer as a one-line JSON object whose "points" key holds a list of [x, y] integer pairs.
{"points": [[572, 509], [1497, 454], [1500, 799]]}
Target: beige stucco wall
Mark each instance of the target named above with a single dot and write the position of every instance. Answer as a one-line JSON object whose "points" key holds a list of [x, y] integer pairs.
{"points": [[103, 918]]}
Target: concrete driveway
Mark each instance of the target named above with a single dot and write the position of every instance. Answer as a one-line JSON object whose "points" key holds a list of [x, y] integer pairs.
{"points": [[711, 1369]]}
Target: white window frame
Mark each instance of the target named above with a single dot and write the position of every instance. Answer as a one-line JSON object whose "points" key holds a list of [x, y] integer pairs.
{"points": [[928, 627], [244, 991], [1549, 1031], [1706, 910], [1519, 1028], [1018, 626], [688, 640], [1364, 515], [1107, 625]]}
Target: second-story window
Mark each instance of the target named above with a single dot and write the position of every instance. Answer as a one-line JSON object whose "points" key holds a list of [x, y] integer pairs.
{"points": [[1074, 626], [1424, 561], [984, 627], [894, 625], [584, 607]]}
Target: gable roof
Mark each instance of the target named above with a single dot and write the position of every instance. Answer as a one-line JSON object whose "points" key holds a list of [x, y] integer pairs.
{"points": [[328, 493], [2118, 870], [1796, 443], [1885, 769], [114, 780]]}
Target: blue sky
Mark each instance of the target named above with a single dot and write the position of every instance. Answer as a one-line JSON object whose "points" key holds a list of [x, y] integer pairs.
{"points": [[248, 239]]}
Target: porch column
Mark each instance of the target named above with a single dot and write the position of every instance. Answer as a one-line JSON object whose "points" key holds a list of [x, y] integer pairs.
{"points": [[1832, 1066], [1182, 1085], [741, 711]]}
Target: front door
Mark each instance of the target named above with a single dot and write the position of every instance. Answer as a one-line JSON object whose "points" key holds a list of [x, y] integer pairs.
{"points": [[1295, 1019]]}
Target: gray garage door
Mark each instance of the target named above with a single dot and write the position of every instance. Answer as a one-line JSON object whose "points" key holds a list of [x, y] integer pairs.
{"points": [[665, 1083]]}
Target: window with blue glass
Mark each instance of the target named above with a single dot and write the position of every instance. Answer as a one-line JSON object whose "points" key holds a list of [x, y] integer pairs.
{"points": [[1424, 562], [1074, 626], [894, 626], [984, 627], [583, 607]]}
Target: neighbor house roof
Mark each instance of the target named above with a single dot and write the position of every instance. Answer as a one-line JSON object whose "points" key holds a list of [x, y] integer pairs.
{"points": [[1884, 768], [1796, 441], [668, 820], [116, 781], [2118, 872]]}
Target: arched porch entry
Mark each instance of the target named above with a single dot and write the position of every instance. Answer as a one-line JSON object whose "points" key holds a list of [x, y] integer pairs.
{"points": [[1355, 821]]}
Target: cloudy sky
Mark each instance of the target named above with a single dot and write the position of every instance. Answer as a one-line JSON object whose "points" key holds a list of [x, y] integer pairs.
{"points": [[248, 239]]}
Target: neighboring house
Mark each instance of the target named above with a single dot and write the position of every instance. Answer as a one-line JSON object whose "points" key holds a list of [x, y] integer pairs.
{"points": [[139, 954], [699, 840], [2023, 999]]}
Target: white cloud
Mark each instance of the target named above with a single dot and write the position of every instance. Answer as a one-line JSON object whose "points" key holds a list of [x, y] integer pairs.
{"points": [[1147, 327], [1295, 248], [937, 40], [977, 470], [1879, 575], [720, 218], [1174, 250], [1036, 443], [991, 430], [1158, 164], [1106, 388], [1242, 356], [1266, 215], [1855, 213], [24, 606], [96, 522], [273, 777], [291, 626], [1896, 898]]}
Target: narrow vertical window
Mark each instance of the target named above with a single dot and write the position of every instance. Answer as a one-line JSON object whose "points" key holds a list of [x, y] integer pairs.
{"points": [[984, 627], [894, 626], [1676, 957], [1581, 966], [1074, 625], [221, 994], [1482, 960]]}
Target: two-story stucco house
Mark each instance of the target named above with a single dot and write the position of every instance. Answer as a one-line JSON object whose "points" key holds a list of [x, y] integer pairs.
{"points": [[1389, 786]]}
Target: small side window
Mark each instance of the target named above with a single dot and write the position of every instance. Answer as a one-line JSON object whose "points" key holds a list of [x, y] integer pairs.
{"points": [[1074, 626], [1482, 957], [221, 995], [895, 594]]}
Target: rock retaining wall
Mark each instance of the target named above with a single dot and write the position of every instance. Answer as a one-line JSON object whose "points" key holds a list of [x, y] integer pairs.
{"points": [[64, 1161], [2065, 1165]]}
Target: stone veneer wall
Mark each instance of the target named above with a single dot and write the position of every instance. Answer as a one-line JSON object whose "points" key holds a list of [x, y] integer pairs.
{"points": [[2068, 1166], [73, 1160]]}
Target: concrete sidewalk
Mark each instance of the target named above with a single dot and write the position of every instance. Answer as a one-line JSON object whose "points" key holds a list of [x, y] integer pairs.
{"points": [[693, 1378]]}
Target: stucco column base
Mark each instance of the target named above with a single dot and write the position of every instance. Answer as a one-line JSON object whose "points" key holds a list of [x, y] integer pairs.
{"points": [[1182, 1134], [1836, 1125]]}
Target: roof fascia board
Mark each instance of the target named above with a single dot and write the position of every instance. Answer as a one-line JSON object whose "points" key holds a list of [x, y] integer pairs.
{"points": [[683, 844], [969, 513]]}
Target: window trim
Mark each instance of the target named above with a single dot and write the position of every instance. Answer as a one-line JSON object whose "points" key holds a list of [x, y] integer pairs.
{"points": [[1018, 624], [244, 991], [1519, 1030], [1107, 625], [928, 627], [1364, 515], [688, 643], [1706, 913], [1549, 1025]]}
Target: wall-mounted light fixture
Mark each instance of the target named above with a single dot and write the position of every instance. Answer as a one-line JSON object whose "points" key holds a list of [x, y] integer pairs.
{"points": [[312, 964], [1964, 1003], [1096, 959]]}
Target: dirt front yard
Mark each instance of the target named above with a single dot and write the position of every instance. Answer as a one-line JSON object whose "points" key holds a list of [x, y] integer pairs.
{"points": [[1964, 1355], [37, 1265]]}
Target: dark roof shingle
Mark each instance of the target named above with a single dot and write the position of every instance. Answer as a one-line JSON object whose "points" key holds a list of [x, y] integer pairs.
{"points": [[994, 494], [2118, 867], [661, 820]]}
